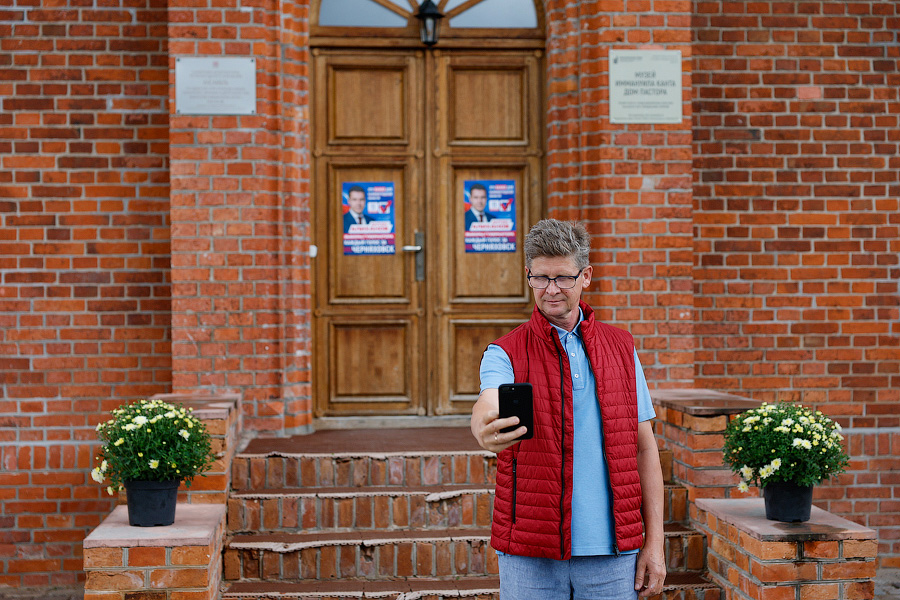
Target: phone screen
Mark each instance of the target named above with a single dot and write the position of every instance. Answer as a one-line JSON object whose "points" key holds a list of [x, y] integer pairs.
{"points": [[516, 400]]}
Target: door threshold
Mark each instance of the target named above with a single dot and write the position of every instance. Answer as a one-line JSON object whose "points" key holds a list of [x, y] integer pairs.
{"points": [[389, 422]]}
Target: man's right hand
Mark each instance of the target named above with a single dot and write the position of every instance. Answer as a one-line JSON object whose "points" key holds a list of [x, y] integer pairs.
{"points": [[486, 424]]}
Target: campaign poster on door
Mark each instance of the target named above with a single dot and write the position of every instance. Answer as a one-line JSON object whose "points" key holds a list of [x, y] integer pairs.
{"points": [[368, 208], [490, 217]]}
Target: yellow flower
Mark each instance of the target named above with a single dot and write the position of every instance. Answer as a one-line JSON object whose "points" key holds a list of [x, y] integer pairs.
{"points": [[154, 464], [119, 442]]}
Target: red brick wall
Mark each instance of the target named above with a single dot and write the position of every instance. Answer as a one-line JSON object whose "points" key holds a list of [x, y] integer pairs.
{"points": [[240, 217], [631, 184], [84, 260], [797, 223], [780, 263]]}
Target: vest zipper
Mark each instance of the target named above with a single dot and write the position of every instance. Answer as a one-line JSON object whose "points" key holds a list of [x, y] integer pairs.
{"points": [[612, 506], [562, 439], [515, 461]]}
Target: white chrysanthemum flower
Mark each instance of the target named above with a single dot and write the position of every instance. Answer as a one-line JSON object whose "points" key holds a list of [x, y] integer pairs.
{"points": [[746, 472], [183, 433], [775, 464], [154, 464], [96, 475], [766, 471], [130, 427], [140, 420], [103, 466], [743, 486], [110, 490], [802, 443]]}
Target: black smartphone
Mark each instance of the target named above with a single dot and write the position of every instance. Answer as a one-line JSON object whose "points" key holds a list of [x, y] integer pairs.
{"points": [[516, 400]]}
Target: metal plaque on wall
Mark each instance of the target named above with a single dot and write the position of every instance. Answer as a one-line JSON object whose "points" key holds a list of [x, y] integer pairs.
{"points": [[215, 86], [645, 86]]}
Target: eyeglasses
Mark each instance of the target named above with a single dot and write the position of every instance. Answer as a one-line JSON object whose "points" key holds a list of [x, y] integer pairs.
{"points": [[563, 282]]}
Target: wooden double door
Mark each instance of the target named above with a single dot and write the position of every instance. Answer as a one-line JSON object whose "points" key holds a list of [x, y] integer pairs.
{"points": [[405, 304]]}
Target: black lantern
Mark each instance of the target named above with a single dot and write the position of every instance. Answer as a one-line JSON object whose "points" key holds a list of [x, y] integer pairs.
{"points": [[429, 17]]}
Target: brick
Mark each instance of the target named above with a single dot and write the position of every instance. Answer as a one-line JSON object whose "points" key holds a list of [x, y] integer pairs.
{"points": [[146, 556], [145, 595], [859, 548], [191, 555], [824, 549], [775, 572], [768, 550], [179, 578], [849, 570], [114, 580], [95, 558], [824, 591]]}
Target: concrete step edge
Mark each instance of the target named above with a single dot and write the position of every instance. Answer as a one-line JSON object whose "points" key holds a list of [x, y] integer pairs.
{"points": [[431, 492]]}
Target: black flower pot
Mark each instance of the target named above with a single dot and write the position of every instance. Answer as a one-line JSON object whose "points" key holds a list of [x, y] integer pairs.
{"points": [[788, 502], [151, 503]]}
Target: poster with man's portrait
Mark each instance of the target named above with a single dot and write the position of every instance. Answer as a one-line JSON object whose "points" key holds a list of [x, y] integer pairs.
{"points": [[368, 209], [490, 215]]}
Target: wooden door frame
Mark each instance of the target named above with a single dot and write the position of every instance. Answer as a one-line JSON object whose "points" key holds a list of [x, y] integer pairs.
{"points": [[325, 38], [408, 37]]}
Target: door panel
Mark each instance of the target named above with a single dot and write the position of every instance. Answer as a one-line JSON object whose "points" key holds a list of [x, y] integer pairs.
{"points": [[492, 276], [368, 99], [373, 106], [381, 278], [373, 366], [468, 339], [486, 105], [391, 339]]}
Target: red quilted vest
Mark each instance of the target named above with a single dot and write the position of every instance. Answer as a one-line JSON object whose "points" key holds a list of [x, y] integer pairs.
{"points": [[533, 501]]}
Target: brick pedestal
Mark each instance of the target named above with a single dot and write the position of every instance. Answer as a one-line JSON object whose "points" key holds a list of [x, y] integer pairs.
{"points": [[750, 557], [221, 413], [182, 561], [691, 423]]}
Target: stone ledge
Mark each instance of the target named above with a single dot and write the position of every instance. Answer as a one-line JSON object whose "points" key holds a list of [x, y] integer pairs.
{"points": [[195, 525], [749, 515], [702, 403]]}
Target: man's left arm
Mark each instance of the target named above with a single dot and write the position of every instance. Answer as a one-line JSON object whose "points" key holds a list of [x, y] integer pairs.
{"points": [[650, 573]]}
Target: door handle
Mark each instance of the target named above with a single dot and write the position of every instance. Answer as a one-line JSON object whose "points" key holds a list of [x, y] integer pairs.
{"points": [[418, 248]]}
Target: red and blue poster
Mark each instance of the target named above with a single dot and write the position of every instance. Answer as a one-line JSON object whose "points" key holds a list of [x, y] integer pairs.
{"points": [[490, 215], [368, 217]]}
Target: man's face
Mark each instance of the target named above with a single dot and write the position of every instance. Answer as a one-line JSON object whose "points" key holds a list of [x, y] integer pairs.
{"points": [[357, 202], [478, 199], [559, 306]]}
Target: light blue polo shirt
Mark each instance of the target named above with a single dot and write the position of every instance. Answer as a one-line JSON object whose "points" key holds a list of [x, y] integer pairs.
{"points": [[591, 535]]}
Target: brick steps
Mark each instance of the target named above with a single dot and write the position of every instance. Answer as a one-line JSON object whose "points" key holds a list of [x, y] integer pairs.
{"points": [[363, 554], [679, 586], [390, 514], [389, 507], [383, 508], [400, 553], [482, 588]]}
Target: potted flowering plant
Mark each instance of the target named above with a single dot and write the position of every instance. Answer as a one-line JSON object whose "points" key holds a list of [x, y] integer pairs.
{"points": [[785, 449], [149, 448]]}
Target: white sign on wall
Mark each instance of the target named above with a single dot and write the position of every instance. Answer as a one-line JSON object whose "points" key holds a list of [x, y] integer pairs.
{"points": [[215, 86], [645, 86]]}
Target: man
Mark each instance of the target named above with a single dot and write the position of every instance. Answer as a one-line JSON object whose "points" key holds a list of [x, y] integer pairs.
{"points": [[477, 204], [356, 199], [578, 508]]}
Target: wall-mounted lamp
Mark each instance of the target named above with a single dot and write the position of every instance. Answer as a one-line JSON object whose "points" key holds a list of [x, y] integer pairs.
{"points": [[429, 20]]}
